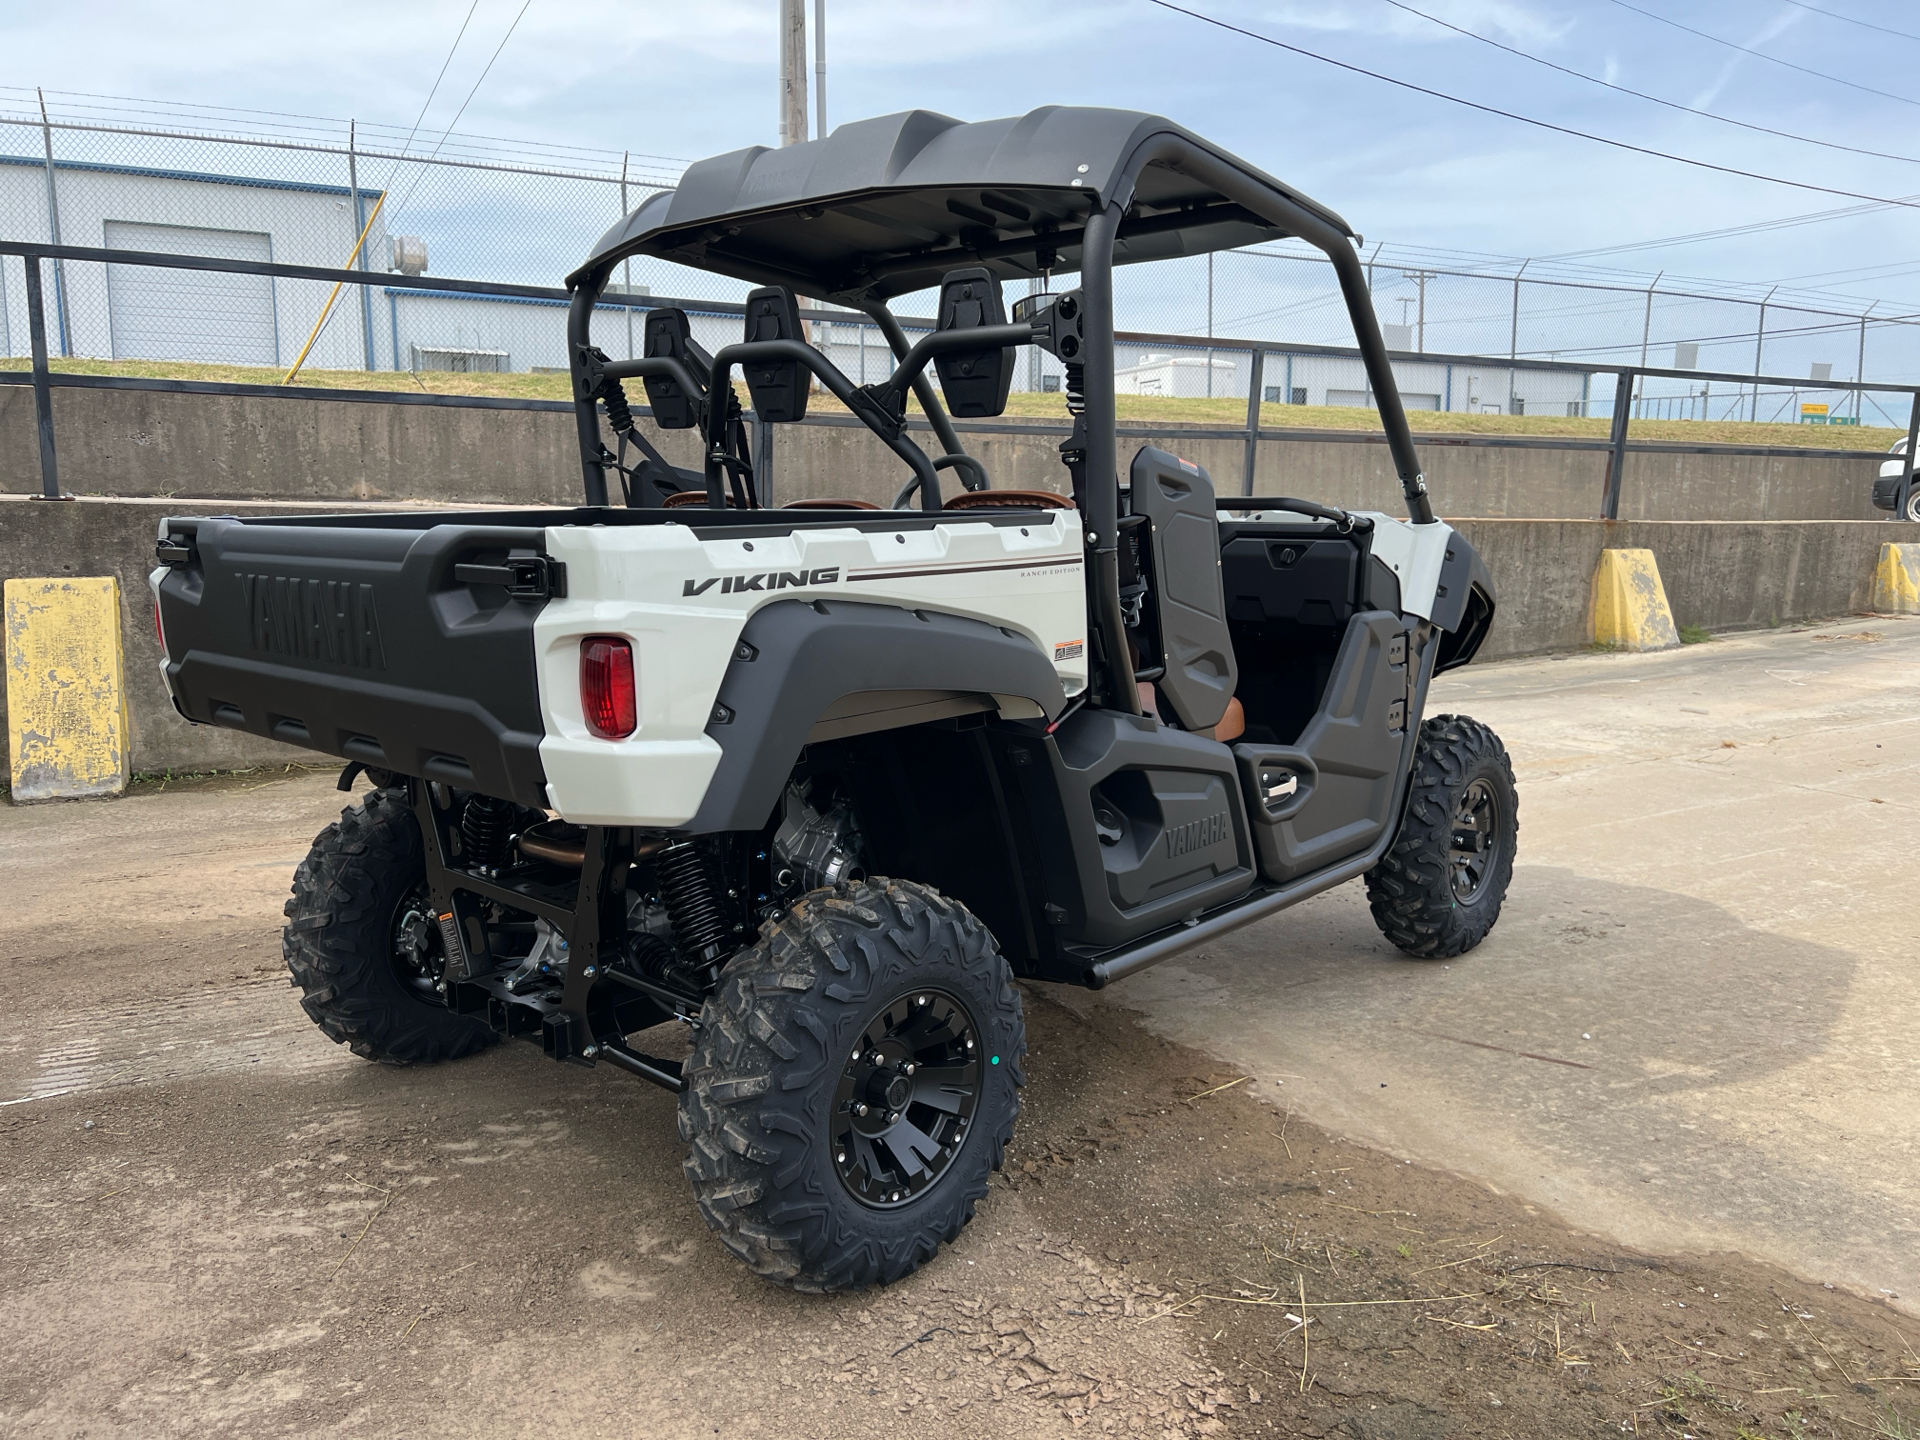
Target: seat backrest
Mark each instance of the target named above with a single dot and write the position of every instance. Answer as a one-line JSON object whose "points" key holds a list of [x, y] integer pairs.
{"points": [[1189, 602]]}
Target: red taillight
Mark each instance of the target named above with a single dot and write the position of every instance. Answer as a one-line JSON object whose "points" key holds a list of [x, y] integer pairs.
{"points": [[606, 686], [159, 632]]}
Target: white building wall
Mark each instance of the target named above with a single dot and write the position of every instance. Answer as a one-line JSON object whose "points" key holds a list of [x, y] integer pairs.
{"points": [[306, 225]]}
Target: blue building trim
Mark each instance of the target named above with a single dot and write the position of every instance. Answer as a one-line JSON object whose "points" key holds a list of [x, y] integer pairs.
{"points": [[94, 167]]}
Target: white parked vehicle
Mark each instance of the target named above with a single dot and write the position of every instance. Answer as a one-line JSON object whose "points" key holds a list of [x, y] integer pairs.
{"points": [[821, 781]]}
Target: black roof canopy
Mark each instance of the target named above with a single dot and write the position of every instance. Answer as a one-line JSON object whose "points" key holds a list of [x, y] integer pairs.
{"points": [[886, 206]]}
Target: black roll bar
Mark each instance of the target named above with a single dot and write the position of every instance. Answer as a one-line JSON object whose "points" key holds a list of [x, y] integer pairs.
{"points": [[594, 458], [843, 390], [1103, 470]]}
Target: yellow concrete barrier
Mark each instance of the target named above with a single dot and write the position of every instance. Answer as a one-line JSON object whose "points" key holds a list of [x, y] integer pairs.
{"points": [[1630, 610], [66, 693], [1896, 580]]}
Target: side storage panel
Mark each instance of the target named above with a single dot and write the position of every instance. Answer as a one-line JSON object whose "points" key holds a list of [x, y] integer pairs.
{"points": [[1331, 796], [1138, 826]]}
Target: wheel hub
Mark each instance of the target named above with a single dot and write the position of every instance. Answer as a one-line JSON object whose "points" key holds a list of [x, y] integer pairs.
{"points": [[418, 958], [1475, 835], [905, 1099]]}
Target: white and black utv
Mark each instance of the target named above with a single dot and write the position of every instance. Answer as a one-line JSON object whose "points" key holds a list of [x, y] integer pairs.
{"points": [[821, 781]]}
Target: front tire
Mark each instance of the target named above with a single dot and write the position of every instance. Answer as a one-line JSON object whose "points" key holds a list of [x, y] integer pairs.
{"points": [[1438, 891], [361, 943], [854, 1081], [1913, 503]]}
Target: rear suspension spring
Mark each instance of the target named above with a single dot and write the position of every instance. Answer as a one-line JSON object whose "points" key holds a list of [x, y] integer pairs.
{"points": [[486, 827], [686, 886]]}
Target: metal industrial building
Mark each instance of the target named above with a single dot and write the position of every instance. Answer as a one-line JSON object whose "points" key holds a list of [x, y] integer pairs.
{"points": [[132, 312]]}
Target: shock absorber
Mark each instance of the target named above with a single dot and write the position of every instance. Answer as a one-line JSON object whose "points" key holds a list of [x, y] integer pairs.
{"points": [[486, 825], [686, 887]]}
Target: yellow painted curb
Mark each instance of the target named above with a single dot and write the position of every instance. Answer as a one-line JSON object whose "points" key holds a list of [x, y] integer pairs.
{"points": [[1896, 580], [1630, 610], [66, 695]]}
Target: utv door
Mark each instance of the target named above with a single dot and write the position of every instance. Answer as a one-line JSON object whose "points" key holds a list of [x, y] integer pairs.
{"points": [[1331, 680]]}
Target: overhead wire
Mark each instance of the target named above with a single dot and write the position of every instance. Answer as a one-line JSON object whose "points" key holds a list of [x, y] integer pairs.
{"points": [[448, 130], [327, 310], [1863, 24], [1642, 95], [1527, 119], [1771, 59]]}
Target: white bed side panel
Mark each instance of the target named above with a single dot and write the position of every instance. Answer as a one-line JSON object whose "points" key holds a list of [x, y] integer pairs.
{"points": [[1414, 553], [674, 597]]}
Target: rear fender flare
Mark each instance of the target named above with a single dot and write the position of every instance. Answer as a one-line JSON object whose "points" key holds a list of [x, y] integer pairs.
{"points": [[795, 658]]}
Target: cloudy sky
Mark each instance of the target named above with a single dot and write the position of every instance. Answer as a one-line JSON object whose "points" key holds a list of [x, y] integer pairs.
{"points": [[683, 79]]}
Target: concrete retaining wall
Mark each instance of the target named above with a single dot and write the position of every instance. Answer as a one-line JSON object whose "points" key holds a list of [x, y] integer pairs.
{"points": [[143, 442], [1720, 576]]}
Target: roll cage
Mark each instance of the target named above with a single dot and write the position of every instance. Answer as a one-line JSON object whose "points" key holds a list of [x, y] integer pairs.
{"points": [[897, 204]]}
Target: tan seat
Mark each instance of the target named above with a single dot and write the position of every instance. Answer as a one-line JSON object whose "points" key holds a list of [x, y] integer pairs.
{"points": [[821, 502], [1229, 728], [1233, 724], [692, 497], [1007, 500]]}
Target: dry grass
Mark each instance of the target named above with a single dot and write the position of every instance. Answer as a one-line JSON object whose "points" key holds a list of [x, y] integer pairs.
{"points": [[1138, 409]]}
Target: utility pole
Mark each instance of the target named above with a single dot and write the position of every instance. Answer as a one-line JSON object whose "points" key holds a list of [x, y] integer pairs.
{"points": [[819, 69], [1420, 278], [1860, 365], [1513, 337], [1759, 339], [1646, 331], [793, 72]]}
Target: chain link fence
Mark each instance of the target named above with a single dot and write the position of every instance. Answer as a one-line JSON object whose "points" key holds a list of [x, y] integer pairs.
{"points": [[128, 174]]}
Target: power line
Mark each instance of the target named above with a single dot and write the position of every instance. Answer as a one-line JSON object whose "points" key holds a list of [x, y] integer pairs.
{"points": [[1528, 119], [1785, 222], [1772, 59], [1642, 95], [1864, 24], [407, 143], [485, 70]]}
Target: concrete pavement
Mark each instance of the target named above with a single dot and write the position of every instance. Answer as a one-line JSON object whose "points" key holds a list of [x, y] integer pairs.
{"points": [[1695, 1026]]}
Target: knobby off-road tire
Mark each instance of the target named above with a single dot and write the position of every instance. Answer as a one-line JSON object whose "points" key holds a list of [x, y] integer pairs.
{"points": [[772, 1088], [362, 881], [1438, 891]]}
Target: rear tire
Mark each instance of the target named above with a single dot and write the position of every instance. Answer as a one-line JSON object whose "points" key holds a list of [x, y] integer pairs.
{"points": [[1438, 891], [810, 1194], [1913, 503], [361, 945]]}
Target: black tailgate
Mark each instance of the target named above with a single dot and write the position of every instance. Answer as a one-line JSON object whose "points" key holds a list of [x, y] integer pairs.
{"points": [[408, 648]]}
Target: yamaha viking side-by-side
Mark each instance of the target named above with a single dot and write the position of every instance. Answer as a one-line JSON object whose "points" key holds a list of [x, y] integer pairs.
{"points": [[822, 781]]}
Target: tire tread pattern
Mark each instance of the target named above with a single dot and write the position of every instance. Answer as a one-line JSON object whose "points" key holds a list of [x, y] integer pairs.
{"points": [[338, 936], [1411, 890], [768, 1054]]}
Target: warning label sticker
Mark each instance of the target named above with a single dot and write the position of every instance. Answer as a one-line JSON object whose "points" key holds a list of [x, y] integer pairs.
{"points": [[1069, 650]]}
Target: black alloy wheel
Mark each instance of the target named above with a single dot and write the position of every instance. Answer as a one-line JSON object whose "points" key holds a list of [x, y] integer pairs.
{"points": [[1438, 891], [1476, 820], [854, 1082], [418, 953], [901, 1111]]}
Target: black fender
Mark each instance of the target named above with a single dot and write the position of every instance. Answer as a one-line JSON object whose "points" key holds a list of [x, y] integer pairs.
{"points": [[795, 658], [1463, 604]]}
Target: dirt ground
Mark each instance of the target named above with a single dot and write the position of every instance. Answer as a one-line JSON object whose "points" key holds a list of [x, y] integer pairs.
{"points": [[217, 1223]]}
